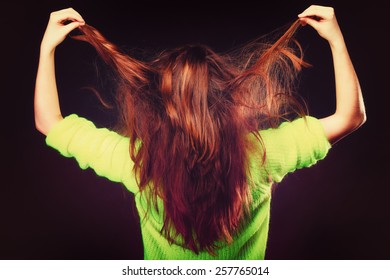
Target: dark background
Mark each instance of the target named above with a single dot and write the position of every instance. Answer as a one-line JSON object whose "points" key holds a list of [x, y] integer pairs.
{"points": [[51, 209]]}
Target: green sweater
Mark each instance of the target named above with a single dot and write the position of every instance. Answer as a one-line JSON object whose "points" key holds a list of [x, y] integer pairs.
{"points": [[293, 145]]}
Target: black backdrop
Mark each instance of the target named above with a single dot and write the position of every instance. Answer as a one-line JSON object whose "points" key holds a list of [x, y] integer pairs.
{"points": [[50, 209]]}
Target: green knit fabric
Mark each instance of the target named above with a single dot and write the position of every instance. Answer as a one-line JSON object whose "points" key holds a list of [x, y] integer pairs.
{"points": [[293, 145]]}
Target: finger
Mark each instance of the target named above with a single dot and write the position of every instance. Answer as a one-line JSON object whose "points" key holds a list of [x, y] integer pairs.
{"points": [[69, 20], [302, 22], [67, 14], [312, 22], [71, 26], [76, 15], [311, 10], [317, 11], [314, 17]]}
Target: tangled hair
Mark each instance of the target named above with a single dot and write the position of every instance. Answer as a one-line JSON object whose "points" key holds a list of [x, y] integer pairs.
{"points": [[188, 113]]}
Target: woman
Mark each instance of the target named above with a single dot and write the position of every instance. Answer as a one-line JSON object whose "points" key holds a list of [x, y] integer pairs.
{"points": [[201, 137]]}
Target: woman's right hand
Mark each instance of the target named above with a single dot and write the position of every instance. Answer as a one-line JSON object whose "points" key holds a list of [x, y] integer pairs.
{"points": [[323, 20], [57, 29]]}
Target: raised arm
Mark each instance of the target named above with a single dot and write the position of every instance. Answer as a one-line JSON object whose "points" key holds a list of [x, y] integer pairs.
{"points": [[350, 111], [47, 110]]}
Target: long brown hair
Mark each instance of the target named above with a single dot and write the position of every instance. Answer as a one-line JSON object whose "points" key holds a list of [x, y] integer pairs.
{"points": [[188, 113]]}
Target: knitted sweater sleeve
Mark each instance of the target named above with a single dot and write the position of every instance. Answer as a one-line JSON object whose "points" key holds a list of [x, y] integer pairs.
{"points": [[105, 151], [294, 145]]}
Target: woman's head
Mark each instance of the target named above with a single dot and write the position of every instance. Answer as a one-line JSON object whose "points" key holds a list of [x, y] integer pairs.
{"points": [[191, 110], [192, 83]]}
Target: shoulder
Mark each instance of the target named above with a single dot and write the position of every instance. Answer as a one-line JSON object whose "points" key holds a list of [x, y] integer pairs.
{"points": [[296, 127]]}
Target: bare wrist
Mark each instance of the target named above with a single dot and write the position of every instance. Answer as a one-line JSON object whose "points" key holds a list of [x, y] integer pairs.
{"points": [[46, 51], [337, 44]]}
